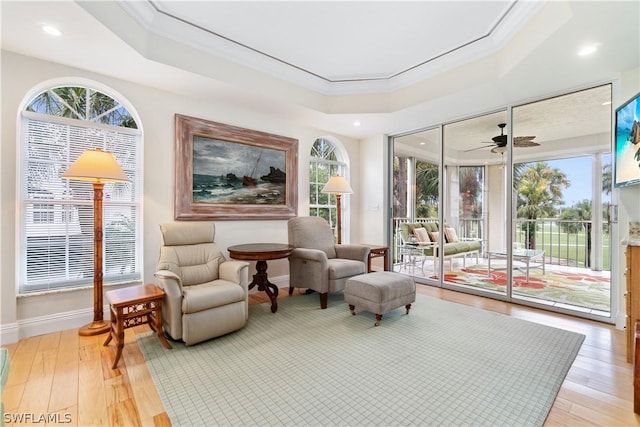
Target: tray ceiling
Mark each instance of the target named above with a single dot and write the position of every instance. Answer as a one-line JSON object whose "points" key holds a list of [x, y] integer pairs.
{"points": [[366, 46], [391, 66]]}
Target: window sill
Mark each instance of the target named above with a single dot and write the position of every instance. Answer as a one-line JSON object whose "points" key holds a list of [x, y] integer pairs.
{"points": [[79, 288]]}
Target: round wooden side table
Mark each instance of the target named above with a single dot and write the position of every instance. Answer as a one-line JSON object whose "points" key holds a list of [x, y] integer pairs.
{"points": [[262, 252]]}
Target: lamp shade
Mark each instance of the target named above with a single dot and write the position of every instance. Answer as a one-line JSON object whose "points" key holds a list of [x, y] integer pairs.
{"points": [[337, 185], [96, 166]]}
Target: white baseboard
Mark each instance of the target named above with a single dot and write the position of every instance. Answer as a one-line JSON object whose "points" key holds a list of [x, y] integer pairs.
{"points": [[621, 320], [11, 333], [41, 325], [279, 281]]}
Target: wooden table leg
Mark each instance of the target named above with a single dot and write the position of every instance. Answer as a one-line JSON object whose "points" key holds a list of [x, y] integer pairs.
{"points": [[134, 306], [112, 320], [261, 280], [156, 323], [119, 335]]}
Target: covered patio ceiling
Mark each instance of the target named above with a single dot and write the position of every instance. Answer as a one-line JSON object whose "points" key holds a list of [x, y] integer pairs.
{"points": [[575, 124]]}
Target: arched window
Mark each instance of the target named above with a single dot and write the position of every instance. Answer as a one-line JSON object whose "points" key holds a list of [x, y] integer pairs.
{"points": [[56, 227], [325, 162]]}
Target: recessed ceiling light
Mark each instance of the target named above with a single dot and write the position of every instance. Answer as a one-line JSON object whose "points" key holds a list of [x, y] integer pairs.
{"points": [[51, 30], [356, 123], [588, 49]]}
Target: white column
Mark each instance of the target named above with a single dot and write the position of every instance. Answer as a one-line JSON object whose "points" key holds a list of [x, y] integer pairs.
{"points": [[596, 213]]}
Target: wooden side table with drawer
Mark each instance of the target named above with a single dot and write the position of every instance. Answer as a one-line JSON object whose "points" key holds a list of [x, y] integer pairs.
{"points": [[632, 297], [134, 306]]}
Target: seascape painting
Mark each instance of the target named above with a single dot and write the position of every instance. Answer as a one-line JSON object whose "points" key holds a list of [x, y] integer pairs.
{"points": [[225, 172], [228, 172], [627, 143]]}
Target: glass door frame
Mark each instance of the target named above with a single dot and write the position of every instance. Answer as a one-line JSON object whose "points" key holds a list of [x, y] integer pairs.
{"points": [[509, 213]]}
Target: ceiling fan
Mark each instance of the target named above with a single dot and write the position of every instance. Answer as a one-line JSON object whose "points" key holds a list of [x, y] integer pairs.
{"points": [[499, 142]]}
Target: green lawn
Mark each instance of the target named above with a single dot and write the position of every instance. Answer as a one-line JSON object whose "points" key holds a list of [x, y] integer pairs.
{"points": [[566, 246]]}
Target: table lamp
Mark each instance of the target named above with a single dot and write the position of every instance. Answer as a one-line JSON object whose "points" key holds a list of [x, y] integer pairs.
{"points": [[338, 185], [96, 166]]}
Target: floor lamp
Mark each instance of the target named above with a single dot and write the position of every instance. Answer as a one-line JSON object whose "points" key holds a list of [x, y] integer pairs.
{"points": [[96, 166], [338, 185]]}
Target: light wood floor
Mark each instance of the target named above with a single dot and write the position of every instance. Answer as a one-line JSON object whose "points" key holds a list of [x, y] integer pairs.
{"points": [[71, 377]]}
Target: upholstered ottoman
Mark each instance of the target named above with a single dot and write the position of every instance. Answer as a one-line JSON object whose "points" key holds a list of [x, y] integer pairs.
{"points": [[379, 292]]}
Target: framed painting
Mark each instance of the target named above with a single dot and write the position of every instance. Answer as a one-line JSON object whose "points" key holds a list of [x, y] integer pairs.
{"points": [[226, 172]]}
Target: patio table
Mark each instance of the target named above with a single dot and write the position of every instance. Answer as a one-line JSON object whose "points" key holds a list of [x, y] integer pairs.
{"points": [[530, 257]]}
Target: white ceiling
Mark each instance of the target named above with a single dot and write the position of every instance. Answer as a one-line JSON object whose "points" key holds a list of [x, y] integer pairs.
{"points": [[393, 66], [369, 45]]}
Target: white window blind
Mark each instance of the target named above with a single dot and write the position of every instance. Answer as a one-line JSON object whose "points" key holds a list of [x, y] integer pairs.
{"points": [[323, 164], [57, 214]]}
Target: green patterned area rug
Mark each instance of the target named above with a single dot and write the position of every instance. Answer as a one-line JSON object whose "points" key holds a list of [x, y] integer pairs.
{"points": [[444, 364], [577, 289]]}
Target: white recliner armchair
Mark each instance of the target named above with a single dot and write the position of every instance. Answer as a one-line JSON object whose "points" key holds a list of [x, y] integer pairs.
{"points": [[207, 295], [317, 262]]}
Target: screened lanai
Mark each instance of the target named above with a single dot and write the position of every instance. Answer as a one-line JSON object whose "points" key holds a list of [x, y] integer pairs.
{"points": [[513, 204]]}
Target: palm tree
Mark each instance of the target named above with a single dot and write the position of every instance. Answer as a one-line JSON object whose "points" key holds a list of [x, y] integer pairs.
{"points": [[580, 212], [71, 101], [400, 186], [518, 168], [470, 190], [427, 189], [539, 192], [427, 179], [606, 178]]}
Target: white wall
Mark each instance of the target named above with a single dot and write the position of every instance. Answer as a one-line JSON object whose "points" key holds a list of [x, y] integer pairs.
{"points": [[373, 179], [24, 316], [374, 203]]}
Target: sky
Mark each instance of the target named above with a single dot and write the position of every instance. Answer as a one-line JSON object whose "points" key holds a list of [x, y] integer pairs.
{"points": [[215, 157], [578, 171]]}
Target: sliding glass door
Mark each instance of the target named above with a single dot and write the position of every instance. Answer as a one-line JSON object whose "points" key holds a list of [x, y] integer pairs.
{"points": [[562, 183], [512, 204], [475, 206], [416, 195]]}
